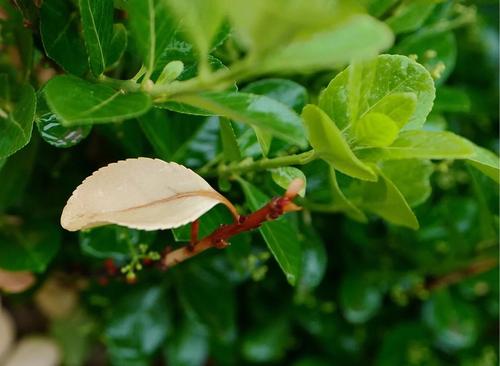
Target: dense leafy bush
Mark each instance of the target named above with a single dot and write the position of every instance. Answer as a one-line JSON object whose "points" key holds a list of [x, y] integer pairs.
{"points": [[388, 110]]}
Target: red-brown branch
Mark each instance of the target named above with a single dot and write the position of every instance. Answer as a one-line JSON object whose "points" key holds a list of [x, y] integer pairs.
{"points": [[219, 237]]}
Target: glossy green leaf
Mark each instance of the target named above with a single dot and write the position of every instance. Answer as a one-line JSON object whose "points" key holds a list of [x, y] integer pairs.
{"points": [[76, 101], [398, 106], [152, 27], [359, 299], [486, 161], [285, 91], [432, 49], [16, 126], [314, 259], [29, 246], [330, 145], [452, 321], [113, 241], [280, 236], [138, 326], [422, 145], [361, 37], [283, 176], [375, 129], [60, 36], [97, 26], [229, 144], [410, 15], [117, 45], [411, 177], [188, 345], [383, 199], [383, 81], [256, 110], [201, 20], [196, 284], [266, 343]]}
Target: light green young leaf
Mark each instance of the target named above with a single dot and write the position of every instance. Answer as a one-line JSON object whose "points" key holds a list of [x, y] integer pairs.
{"points": [[398, 106], [285, 175], [16, 126], [229, 143], [376, 130], [421, 145], [201, 20], [359, 38], [486, 162], [256, 110], [117, 45], [379, 83], [60, 36], [411, 177], [410, 15], [330, 145], [77, 101], [152, 27], [97, 25], [280, 236], [385, 200]]}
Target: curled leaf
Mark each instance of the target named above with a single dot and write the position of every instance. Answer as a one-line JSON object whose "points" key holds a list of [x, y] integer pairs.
{"points": [[143, 193]]}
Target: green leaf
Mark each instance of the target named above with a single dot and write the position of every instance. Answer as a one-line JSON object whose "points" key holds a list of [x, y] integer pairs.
{"points": [[201, 19], [375, 129], [314, 259], [359, 299], [398, 106], [60, 37], [117, 45], [29, 246], [383, 199], [450, 99], [341, 203], [362, 87], [283, 176], [411, 177], [359, 38], [486, 162], [410, 15], [256, 110], [280, 236], [51, 129], [97, 25], [266, 343], [188, 345], [196, 284], [330, 145], [152, 27], [433, 50], [16, 126], [421, 145], [138, 326], [229, 143], [76, 101], [285, 91], [113, 241]]}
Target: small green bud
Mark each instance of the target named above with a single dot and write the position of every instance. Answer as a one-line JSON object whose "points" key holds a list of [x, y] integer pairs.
{"points": [[170, 72]]}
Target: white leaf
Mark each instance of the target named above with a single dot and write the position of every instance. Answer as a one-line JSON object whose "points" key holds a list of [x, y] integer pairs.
{"points": [[39, 351], [143, 193]]}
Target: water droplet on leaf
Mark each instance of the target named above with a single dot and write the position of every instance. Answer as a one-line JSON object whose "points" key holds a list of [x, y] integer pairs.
{"points": [[54, 133]]}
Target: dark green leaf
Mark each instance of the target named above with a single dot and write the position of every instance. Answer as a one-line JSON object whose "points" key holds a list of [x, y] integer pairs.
{"points": [[229, 143], [359, 299], [410, 15], [76, 101], [117, 45], [280, 236], [28, 246], [60, 37], [16, 126], [97, 25], [188, 345], [256, 110], [138, 326]]}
